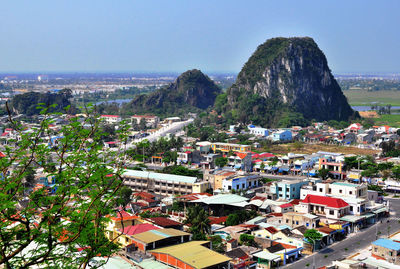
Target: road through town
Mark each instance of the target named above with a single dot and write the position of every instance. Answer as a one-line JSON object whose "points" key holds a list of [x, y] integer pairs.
{"points": [[353, 243]]}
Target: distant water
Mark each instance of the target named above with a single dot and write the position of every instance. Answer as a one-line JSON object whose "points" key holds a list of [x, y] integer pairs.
{"points": [[367, 108], [118, 101]]}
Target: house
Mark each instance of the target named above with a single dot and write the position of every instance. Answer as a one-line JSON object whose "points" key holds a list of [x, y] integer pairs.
{"points": [[296, 219], [287, 189], [150, 120], [226, 147], [354, 128], [331, 208], [259, 131], [241, 183], [111, 119], [124, 234], [386, 249], [282, 135], [163, 222]]}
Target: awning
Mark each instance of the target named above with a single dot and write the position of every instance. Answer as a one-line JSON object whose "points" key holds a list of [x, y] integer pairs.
{"points": [[283, 169], [369, 215], [380, 210], [352, 218]]}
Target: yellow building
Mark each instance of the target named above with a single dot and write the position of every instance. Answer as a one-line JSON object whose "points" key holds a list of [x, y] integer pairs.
{"points": [[226, 147]]}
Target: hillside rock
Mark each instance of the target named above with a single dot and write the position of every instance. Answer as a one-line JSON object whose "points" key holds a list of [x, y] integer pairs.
{"points": [[289, 75], [192, 91]]}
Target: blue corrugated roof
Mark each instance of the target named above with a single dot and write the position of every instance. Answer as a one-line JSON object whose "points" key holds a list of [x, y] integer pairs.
{"points": [[387, 243]]}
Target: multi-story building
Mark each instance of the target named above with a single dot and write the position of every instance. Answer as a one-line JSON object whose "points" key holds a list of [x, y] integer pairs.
{"points": [[163, 184], [151, 120], [259, 131], [329, 207], [111, 119], [353, 194], [226, 147], [287, 189], [241, 183], [296, 219]]}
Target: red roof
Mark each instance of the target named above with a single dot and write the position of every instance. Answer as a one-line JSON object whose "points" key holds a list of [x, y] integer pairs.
{"points": [[137, 229], [217, 220], [323, 200], [287, 246], [164, 222], [144, 194], [271, 230], [275, 214], [262, 155], [110, 116], [295, 201], [2, 155], [123, 215], [286, 205]]}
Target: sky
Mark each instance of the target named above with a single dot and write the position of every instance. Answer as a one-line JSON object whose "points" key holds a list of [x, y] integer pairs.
{"points": [[176, 35]]}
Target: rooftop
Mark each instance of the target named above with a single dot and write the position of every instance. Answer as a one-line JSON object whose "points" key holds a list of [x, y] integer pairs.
{"points": [[387, 243], [222, 199], [324, 200], [157, 235], [194, 254], [345, 184], [139, 228], [159, 176]]}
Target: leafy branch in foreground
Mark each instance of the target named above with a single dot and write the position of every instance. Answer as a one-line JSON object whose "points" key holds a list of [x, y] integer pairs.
{"points": [[46, 226]]}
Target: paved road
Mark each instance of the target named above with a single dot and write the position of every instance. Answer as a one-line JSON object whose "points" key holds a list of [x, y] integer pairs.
{"points": [[287, 177], [353, 243], [170, 129]]}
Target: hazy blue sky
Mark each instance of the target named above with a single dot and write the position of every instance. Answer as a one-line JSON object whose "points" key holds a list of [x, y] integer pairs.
{"points": [[172, 35]]}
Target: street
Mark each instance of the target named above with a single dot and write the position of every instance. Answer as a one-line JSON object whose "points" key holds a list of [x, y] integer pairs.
{"points": [[353, 243]]}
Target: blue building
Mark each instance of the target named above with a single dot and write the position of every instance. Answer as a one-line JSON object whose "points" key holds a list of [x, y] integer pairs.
{"points": [[288, 189], [283, 135]]}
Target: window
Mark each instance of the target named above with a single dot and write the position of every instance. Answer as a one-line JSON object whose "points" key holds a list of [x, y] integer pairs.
{"points": [[390, 253], [297, 223], [340, 191], [350, 192], [229, 187], [331, 212], [292, 221], [243, 186], [287, 189], [375, 249], [280, 189], [330, 190], [320, 189], [307, 224], [287, 221], [351, 208], [294, 189]]}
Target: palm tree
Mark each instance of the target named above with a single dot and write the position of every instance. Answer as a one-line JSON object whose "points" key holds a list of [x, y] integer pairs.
{"points": [[197, 217]]}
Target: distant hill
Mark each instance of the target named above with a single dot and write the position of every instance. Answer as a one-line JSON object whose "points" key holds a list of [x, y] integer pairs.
{"points": [[27, 103], [192, 91], [286, 81]]}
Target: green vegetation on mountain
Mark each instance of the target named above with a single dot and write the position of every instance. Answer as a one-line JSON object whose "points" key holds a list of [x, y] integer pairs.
{"points": [[27, 103], [192, 91], [285, 82]]}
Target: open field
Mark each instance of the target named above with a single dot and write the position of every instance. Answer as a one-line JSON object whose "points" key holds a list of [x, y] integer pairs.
{"points": [[364, 97], [391, 120], [311, 148]]}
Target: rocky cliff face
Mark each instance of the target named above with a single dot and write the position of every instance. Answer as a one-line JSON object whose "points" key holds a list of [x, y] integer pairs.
{"points": [[192, 91], [291, 73]]}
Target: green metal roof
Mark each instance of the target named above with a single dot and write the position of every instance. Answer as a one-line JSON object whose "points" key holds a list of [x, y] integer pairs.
{"points": [[380, 210], [352, 218]]}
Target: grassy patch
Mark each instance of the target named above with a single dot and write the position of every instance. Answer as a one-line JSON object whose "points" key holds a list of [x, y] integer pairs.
{"points": [[364, 98], [391, 120]]}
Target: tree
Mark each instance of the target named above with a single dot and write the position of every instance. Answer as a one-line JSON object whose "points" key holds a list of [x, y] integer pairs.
{"points": [[200, 223], [54, 222], [262, 166], [323, 173], [221, 161], [124, 197], [217, 244], [312, 236], [396, 172], [247, 239], [232, 220]]}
